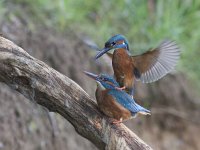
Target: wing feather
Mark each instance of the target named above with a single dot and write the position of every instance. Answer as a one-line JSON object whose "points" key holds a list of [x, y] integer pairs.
{"points": [[156, 63], [127, 102]]}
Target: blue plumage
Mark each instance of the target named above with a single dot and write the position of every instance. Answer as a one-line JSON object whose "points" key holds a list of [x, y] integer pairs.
{"points": [[104, 79], [115, 38], [116, 42], [120, 96], [127, 101]]}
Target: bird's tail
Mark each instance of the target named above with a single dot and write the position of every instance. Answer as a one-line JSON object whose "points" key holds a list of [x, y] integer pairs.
{"points": [[142, 110]]}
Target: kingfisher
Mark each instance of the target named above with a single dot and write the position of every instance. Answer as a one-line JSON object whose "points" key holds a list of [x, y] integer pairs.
{"points": [[147, 67], [114, 102]]}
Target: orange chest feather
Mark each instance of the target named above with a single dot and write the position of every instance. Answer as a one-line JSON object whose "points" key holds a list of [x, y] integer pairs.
{"points": [[108, 105], [121, 58], [123, 66]]}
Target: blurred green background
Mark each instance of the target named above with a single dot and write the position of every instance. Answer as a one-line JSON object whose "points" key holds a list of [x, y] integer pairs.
{"points": [[144, 23], [53, 31]]}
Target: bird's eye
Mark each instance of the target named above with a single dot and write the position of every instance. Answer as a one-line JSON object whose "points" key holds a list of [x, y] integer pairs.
{"points": [[103, 79], [113, 43], [107, 44]]}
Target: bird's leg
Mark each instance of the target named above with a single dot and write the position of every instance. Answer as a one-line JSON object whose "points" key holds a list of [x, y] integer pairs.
{"points": [[132, 91], [120, 88]]}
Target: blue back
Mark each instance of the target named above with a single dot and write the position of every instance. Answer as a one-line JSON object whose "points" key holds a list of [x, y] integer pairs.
{"points": [[121, 97], [127, 101]]}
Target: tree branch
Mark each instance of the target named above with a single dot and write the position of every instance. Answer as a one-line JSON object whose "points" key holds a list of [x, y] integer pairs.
{"points": [[49, 88]]}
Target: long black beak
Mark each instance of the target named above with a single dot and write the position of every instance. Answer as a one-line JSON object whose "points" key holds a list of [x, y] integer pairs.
{"points": [[91, 75], [103, 51]]}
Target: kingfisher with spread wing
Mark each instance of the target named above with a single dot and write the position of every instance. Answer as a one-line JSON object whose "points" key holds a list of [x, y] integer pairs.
{"points": [[147, 67]]}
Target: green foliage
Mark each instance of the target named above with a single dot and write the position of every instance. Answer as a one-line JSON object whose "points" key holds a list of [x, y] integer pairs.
{"points": [[174, 19], [2, 10]]}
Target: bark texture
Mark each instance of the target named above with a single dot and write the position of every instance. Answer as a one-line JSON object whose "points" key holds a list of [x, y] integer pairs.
{"points": [[45, 86]]}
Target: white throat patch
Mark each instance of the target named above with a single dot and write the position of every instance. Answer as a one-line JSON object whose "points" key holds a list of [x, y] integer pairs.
{"points": [[99, 85]]}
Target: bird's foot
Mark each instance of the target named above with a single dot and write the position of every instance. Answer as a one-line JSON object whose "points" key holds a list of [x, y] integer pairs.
{"points": [[120, 88]]}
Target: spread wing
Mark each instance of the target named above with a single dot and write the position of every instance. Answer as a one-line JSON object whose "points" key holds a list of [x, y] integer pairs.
{"points": [[156, 63]]}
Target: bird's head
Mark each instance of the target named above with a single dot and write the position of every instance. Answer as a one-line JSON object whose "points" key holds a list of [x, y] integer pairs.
{"points": [[103, 80], [115, 42]]}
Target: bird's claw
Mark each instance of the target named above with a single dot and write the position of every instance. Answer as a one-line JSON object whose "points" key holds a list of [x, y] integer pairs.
{"points": [[120, 88]]}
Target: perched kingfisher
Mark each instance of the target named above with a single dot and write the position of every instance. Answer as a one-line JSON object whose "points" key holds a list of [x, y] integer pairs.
{"points": [[147, 67], [114, 102]]}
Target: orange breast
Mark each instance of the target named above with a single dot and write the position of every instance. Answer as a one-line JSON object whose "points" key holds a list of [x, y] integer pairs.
{"points": [[123, 68], [110, 107]]}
